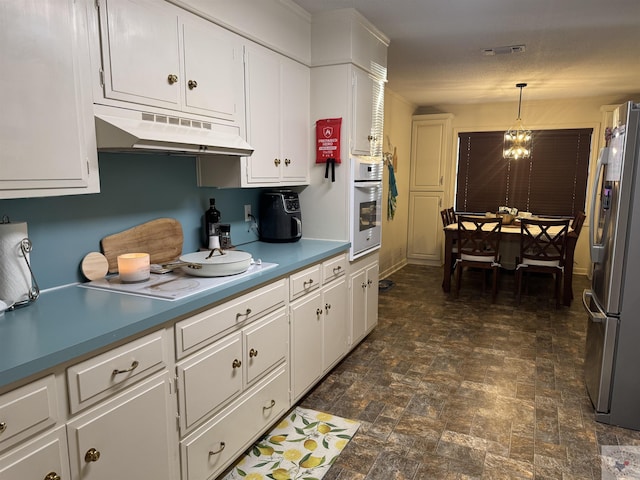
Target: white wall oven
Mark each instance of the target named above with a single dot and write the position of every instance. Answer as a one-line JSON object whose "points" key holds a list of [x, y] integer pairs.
{"points": [[365, 205]]}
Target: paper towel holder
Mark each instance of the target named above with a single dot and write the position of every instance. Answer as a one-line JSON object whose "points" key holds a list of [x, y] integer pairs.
{"points": [[34, 292]]}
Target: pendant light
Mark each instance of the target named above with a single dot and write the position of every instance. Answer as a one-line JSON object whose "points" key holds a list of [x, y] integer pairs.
{"points": [[517, 141]]}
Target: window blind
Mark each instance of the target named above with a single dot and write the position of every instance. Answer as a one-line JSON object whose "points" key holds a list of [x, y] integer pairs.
{"points": [[553, 181]]}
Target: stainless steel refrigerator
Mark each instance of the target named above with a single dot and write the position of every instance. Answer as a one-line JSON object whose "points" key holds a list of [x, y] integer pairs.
{"points": [[612, 355]]}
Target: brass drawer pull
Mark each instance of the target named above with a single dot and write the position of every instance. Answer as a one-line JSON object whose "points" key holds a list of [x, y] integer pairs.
{"points": [[133, 366], [222, 445], [52, 476], [92, 455], [337, 269], [245, 314], [253, 353], [236, 363], [271, 405], [3, 426], [307, 283]]}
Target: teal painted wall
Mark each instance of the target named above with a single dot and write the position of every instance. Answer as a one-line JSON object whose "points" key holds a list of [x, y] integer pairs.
{"points": [[134, 189]]}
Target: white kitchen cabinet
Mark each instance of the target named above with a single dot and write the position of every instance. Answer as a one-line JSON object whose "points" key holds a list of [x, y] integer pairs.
{"points": [[211, 448], [28, 410], [42, 458], [368, 113], [133, 435], [363, 288], [429, 187], [211, 378], [277, 118], [336, 326], [46, 127], [319, 322], [430, 139], [306, 316], [277, 98], [158, 55], [425, 235]]}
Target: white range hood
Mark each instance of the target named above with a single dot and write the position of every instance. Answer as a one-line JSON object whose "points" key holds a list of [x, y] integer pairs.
{"points": [[121, 130]]}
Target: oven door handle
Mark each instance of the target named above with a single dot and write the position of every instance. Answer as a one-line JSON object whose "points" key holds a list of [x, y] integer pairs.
{"points": [[376, 183]]}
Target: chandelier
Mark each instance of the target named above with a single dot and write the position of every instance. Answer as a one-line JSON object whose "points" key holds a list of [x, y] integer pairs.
{"points": [[517, 141]]}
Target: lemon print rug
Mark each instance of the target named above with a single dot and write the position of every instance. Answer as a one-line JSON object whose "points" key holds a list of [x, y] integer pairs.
{"points": [[301, 447]]}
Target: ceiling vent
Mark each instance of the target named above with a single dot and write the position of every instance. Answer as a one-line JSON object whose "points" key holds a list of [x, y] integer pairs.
{"points": [[509, 49]]}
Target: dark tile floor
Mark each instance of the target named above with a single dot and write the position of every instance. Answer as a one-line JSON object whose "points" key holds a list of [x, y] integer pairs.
{"points": [[462, 389]]}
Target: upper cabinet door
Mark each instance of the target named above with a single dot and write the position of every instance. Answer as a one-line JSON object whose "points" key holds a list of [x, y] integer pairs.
{"points": [[296, 121], [213, 67], [46, 126], [141, 52], [368, 114]]}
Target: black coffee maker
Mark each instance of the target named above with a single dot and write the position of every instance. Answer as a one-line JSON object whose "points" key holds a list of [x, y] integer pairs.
{"points": [[280, 216]]}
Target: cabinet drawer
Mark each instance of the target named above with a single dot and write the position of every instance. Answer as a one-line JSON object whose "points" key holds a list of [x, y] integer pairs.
{"points": [[333, 268], [265, 345], [27, 410], [304, 282], [205, 328], [209, 379], [102, 375], [215, 445], [38, 458]]}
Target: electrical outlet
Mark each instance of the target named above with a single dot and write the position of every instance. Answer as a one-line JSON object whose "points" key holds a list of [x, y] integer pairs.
{"points": [[247, 213]]}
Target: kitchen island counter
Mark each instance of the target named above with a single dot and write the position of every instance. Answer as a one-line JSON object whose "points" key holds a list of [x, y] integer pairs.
{"points": [[68, 322]]}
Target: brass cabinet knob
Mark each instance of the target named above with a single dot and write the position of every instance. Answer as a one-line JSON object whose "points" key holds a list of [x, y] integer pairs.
{"points": [[253, 353], [236, 363], [192, 84], [3, 426], [318, 311], [327, 306], [364, 285], [287, 161], [92, 455], [276, 161], [52, 476], [171, 78]]}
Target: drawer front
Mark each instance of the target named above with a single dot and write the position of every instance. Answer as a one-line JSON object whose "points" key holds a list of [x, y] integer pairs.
{"points": [[38, 458], [304, 282], [209, 379], [213, 447], [333, 268], [205, 328], [100, 376], [27, 410], [266, 345]]}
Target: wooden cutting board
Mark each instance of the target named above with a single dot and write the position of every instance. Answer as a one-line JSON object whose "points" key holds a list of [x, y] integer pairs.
{"points": [[161, 239]]}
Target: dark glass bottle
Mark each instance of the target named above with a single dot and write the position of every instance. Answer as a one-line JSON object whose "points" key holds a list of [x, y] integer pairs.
{"points": [[211, 221]]}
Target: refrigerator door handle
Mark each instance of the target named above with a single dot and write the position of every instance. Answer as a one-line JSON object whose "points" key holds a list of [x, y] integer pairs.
{"points": [[597, 250], [596, 317]]}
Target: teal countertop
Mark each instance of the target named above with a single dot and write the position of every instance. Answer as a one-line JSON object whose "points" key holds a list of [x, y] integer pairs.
{"points": [[71, 321]]}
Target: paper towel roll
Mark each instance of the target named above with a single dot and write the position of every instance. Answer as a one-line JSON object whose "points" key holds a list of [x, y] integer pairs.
{"points": [[15, 279]]}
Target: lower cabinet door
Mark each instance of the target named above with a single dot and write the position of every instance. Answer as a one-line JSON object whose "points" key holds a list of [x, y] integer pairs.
{"points": [[336, 323], [266, 344], [43, 458], [131, 437], [212, 448], [306, 342]]}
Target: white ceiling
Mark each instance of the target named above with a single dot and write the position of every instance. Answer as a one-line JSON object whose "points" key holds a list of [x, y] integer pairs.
{"points": [[574, 48]]}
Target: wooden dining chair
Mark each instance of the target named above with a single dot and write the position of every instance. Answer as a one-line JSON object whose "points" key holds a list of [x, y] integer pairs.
{"points": [[452, 215], [578, 221], [479, 247], [444, 215], [542, 249]]}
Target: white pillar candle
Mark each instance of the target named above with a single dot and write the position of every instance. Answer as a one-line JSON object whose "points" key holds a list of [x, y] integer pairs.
{"points": [[134, 267]]}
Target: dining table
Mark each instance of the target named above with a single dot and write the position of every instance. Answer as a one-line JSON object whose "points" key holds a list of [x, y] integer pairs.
{"points": [[510, 236]]}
